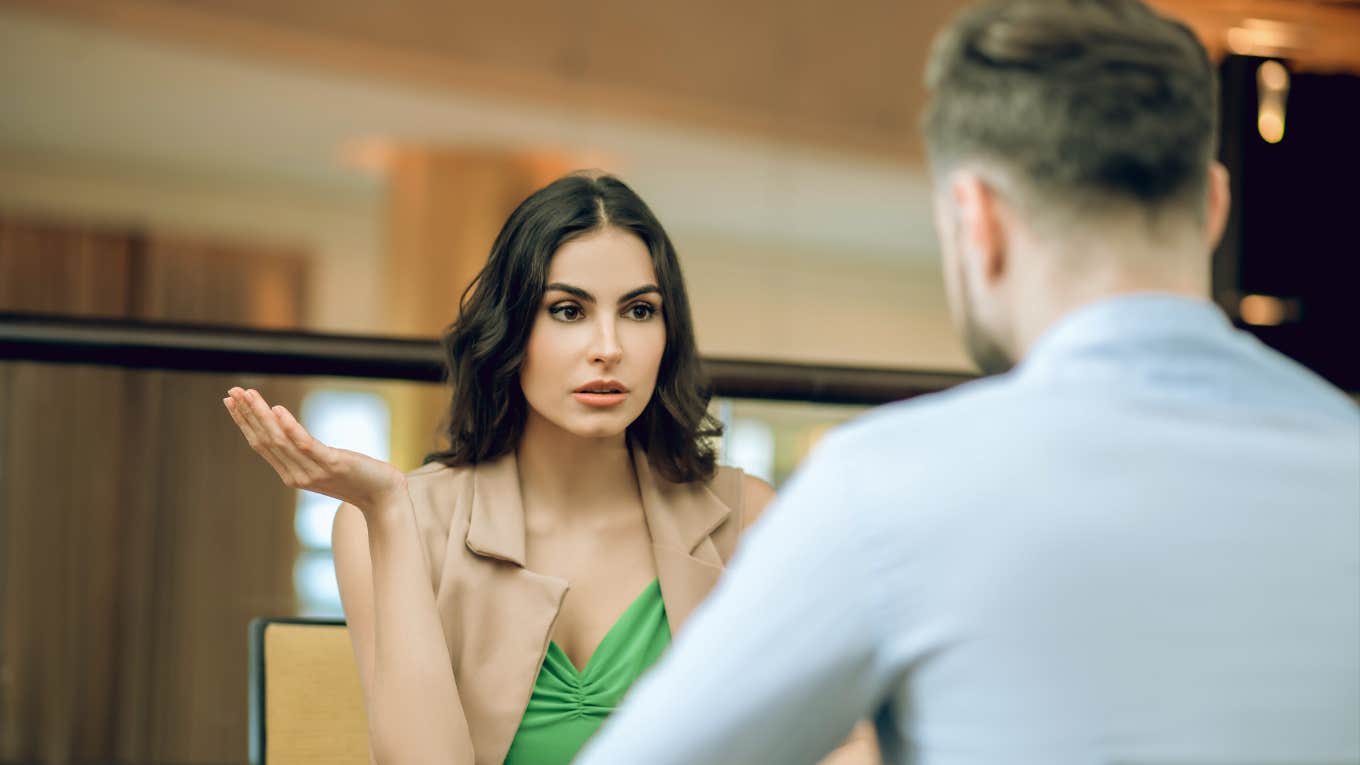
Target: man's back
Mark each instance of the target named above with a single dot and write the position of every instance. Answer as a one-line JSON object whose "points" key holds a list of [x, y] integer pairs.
{"points": [[1143, 546], [1140, 547]]}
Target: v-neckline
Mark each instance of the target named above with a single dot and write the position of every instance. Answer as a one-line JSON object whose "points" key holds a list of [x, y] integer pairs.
{"points": [[581, 672]]}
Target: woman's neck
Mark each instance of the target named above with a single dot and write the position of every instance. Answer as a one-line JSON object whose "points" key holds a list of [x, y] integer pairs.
{"points": [[561, 472]]}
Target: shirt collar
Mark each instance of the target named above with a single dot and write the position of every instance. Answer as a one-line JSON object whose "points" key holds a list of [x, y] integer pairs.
{"points": [[1126, 322]]}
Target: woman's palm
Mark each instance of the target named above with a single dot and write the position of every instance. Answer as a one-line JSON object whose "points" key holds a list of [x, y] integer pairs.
{"points": [[303, 462]]}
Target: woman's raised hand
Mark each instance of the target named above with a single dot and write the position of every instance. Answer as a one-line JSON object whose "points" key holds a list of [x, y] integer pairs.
{"points": [[303, 462]]}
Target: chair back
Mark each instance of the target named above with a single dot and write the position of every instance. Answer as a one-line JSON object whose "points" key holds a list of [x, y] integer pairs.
{"points": [[306, 705]]}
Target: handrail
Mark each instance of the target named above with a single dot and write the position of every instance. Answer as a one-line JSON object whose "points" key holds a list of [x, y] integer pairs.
{"points": [[215, 348]]}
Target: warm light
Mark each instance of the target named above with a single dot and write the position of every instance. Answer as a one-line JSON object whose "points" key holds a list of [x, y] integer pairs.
{"points": [[1262, 37], [374, 155], [1262, 310], [1272, 91], [1270, 123], [1273, 76], [1239, 41]]}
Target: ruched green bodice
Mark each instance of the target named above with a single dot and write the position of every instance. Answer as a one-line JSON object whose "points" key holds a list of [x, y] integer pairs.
{"points": [[568, 706]]}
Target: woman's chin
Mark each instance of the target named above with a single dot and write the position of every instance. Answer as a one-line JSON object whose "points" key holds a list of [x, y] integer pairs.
{"points": [[598, 425], [589, 423], [597, 430]]}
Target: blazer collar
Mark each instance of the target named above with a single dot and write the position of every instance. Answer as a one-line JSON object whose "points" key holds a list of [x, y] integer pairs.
{"points": [[680, 520], [496, 525], [681, 517]]}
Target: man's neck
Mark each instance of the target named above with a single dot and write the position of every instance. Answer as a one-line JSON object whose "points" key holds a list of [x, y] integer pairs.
{"points": [[1053, 295]]}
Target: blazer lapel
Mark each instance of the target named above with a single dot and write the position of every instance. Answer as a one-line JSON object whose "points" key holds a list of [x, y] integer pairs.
{"points": [[508, 611], [681, 518], [513, 609], [496, 528]]}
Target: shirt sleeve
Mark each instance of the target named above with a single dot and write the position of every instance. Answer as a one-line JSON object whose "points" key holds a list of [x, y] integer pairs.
{"points": [[782, 660]]}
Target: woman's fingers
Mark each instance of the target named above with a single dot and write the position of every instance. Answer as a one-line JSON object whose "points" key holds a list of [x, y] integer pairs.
{"points": [[271, 437], [245, 413], [307, 444], [302, 461], [252, 438], [278, 442], [246, 430]]}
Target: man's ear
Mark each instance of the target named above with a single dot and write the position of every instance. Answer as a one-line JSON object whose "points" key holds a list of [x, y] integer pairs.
{"points": [[981, 230], [1218, 203]]}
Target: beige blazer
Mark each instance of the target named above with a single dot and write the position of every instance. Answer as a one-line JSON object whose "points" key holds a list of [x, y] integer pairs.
{"points": [[497, 614]]}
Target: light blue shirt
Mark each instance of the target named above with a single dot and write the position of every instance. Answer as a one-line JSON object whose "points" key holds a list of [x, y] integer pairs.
{"points": [[1140, 546]]}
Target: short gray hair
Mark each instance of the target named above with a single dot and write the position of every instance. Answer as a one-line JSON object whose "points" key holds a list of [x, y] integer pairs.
{"points": [[1076, 99]]}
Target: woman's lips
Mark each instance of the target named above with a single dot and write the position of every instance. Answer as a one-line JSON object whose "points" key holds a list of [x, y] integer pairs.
{"points": [[602, 400], [602, 393]]}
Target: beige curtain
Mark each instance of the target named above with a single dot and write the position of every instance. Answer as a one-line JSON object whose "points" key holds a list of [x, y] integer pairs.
{"points": [[139, 535]]}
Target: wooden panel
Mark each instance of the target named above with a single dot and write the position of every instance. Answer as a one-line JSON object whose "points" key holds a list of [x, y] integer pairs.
{"points": [[221, 282], [223, 555], [138, 546], [63, 530], [314, 706], [52, 267], [140, 535]]}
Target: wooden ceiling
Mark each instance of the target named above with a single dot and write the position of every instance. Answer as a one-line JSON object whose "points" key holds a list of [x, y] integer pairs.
{"points": [[1314, 35], [845, 76]]}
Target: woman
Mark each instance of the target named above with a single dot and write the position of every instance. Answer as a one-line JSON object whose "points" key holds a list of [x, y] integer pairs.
{"points": [[502, 598]]}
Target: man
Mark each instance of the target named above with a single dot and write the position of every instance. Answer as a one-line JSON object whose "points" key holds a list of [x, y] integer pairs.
{"points": [[1140, 545]]}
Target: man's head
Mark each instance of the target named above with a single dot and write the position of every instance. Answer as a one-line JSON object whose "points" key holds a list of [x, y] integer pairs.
{"points": [[1072, 143]]}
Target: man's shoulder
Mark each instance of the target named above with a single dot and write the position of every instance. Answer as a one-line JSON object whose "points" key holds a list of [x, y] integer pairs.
{"points": [[924, 439], [953, 414], [1293, 384]]}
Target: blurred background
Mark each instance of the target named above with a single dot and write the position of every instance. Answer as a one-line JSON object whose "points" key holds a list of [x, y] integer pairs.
{"points": [[291, 196]]}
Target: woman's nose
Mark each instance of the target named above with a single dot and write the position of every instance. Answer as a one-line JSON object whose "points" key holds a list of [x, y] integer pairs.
{"points": [[605, 348]]}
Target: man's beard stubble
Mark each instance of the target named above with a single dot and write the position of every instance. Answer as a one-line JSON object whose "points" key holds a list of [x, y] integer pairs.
{"points": [[991, 358]]}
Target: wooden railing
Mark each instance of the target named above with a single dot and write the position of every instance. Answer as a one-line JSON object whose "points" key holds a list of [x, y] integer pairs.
{"points": [[193, 347]]}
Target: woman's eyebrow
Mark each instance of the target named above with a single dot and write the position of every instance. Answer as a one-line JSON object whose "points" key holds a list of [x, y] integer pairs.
{"points": [[577, 292], [643, 290], [570, 290]]}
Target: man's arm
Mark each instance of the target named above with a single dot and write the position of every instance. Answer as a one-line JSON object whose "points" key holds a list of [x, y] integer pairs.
{"points": [[779, 664]]}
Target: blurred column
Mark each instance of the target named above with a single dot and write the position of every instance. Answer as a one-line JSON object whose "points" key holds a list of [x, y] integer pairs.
{"points": [[445, 208]]}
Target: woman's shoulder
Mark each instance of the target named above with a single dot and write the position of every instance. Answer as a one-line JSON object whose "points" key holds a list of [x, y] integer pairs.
{"points": [[430, 469], [439, 492], [437, 474], [745, 494]]}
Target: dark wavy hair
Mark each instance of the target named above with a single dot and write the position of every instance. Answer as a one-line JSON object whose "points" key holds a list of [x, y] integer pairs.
{"points": [[485, 346]]}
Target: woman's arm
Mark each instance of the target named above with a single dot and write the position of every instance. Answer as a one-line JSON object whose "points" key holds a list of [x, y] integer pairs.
{"points": [[756, 495], [414, 714]]}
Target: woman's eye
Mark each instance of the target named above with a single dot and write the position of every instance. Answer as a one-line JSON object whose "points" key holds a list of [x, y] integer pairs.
{"points": [[565, 312], [641, 311]]}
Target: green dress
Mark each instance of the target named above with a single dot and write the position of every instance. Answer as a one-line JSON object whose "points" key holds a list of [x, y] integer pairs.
{"points": [[568, 706]]}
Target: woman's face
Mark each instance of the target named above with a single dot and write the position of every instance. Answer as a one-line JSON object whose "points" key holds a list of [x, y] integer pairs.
{"points": [[597, 341]]}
